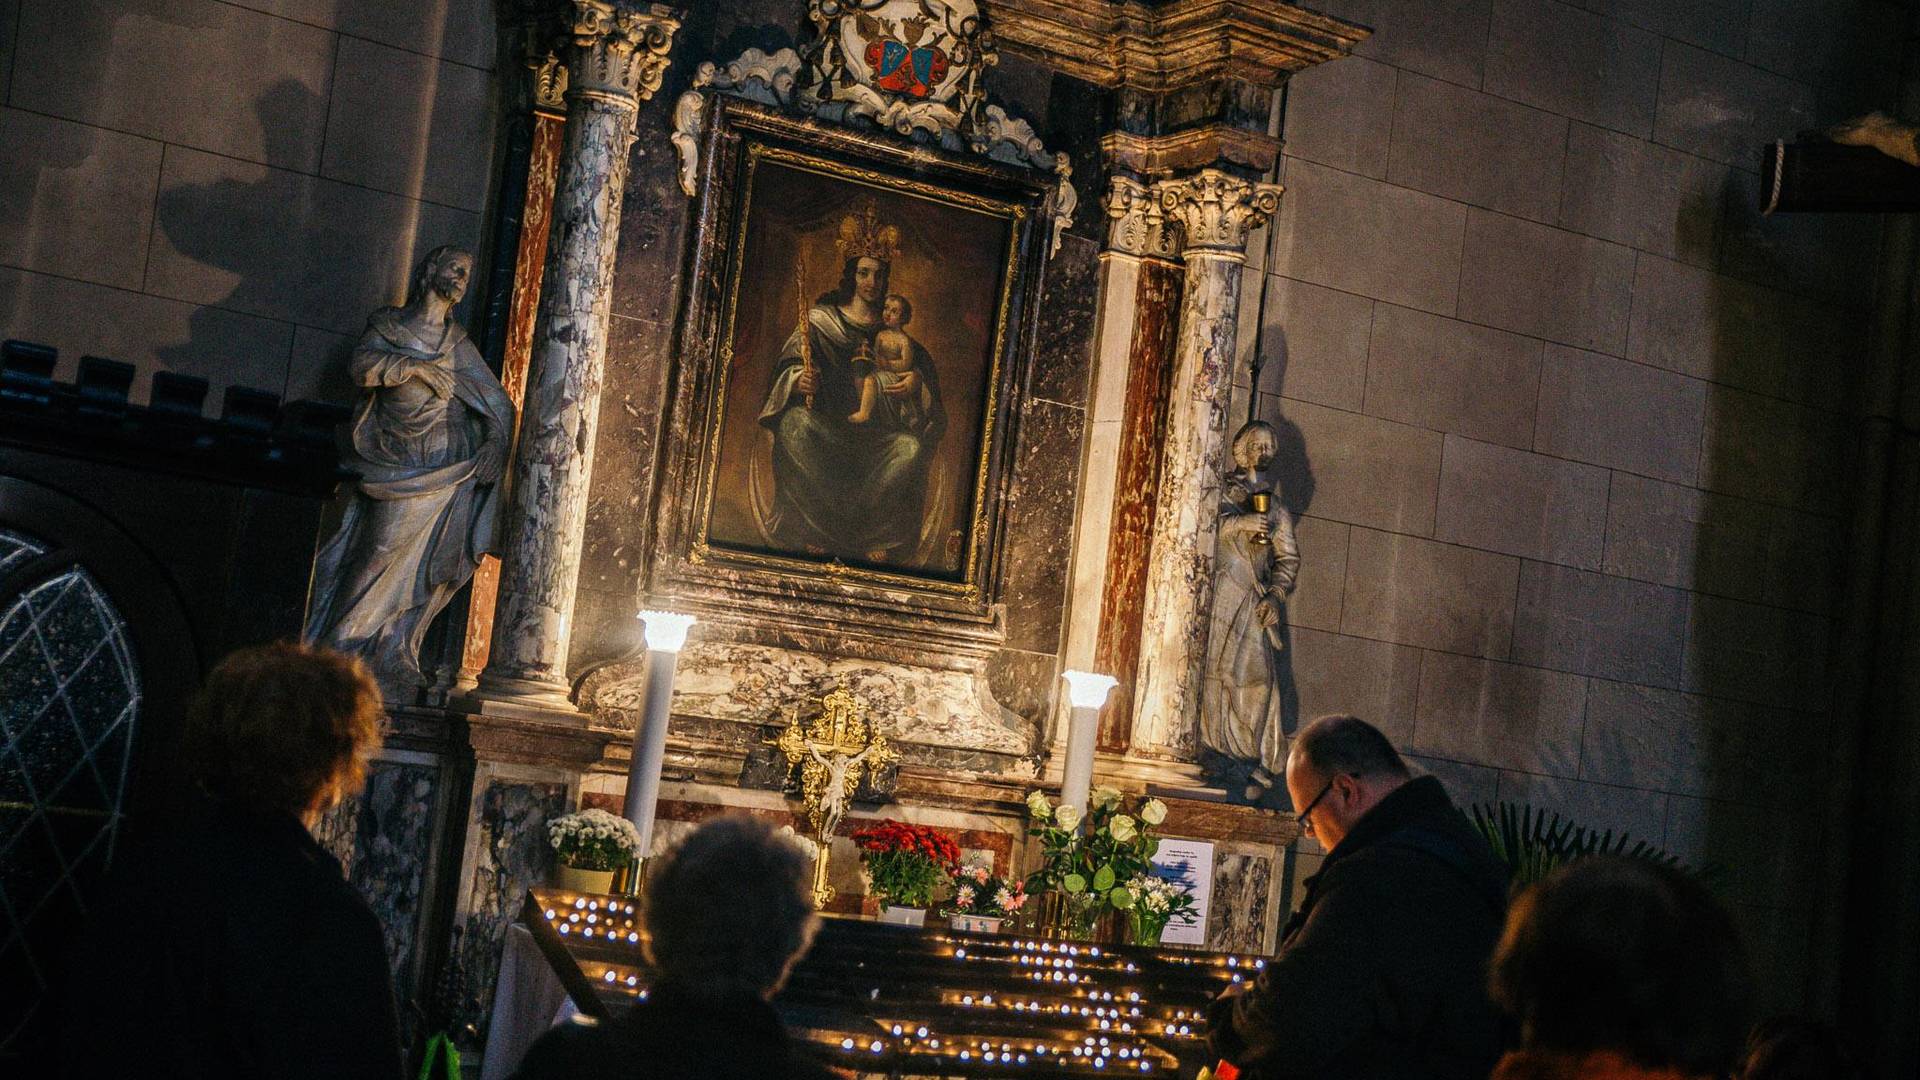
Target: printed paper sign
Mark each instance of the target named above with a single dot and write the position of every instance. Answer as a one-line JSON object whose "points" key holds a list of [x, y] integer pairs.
{"points": [[1187, 863]]}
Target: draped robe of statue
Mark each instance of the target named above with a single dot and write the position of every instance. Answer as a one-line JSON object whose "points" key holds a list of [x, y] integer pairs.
{"points": [[420, 518], [840, 488], [1242, 703]]}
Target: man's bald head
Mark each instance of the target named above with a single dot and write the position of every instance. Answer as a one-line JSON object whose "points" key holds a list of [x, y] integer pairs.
{"points": [[1339, 768]]}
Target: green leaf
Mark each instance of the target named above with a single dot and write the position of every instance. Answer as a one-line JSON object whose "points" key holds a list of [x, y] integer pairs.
{"points": [[1103, 879], [1122, 898], [1074, 883]]}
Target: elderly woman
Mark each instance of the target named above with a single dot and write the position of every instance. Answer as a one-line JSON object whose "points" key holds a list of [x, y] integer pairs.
{"points": [[728, 912], [231, 945]]}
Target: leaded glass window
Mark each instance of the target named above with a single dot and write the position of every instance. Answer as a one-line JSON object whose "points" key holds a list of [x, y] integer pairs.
{"points": [[69, 694]]}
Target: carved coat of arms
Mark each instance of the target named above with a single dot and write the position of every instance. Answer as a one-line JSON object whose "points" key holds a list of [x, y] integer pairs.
{"points": [[904, 64]]}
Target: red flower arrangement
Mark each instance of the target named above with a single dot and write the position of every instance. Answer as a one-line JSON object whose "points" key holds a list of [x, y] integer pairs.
{"points": [[906, 862]]}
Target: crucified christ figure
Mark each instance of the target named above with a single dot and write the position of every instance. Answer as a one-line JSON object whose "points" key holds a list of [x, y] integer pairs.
{"points": [[840, 768]]}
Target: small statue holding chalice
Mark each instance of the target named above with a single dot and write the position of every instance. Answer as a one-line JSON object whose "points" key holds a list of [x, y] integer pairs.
{"points": [[1256, 564]]}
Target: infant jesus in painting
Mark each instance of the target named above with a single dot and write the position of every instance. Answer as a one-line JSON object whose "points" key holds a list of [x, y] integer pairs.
{"points": [[893, 358]]}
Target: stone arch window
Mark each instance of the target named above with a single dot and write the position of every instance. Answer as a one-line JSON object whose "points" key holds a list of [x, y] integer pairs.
{"points": [[70, 693]]}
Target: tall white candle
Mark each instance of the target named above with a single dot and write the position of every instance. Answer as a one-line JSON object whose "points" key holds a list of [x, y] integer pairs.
{"points": [[1086, 692], [666, 633]]}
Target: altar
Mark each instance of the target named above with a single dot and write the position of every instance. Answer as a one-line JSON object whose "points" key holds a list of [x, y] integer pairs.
{"points": [[876, 999]]}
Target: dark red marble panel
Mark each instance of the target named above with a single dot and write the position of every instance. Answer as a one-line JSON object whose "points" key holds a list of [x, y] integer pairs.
{"points": [[1149, 370]]}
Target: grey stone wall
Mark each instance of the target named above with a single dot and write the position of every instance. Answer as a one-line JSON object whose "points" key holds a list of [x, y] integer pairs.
{"points": [[1570, 417], [226, 189]]}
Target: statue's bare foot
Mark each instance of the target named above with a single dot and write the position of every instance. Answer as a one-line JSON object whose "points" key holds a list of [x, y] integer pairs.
{"points": [[1258, 783], [1882, 132], [877, 555]]}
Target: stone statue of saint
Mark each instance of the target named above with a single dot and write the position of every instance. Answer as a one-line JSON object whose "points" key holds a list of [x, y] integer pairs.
{"points": [[1242, 701], [429, 438]]}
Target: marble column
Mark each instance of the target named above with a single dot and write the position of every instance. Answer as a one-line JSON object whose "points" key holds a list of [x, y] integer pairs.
{"points": [[617, 57], [1216, 212], [1133, 317]]}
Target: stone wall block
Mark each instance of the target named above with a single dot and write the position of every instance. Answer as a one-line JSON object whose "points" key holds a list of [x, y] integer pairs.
{"points": [[1316, 599], [1341, 115], [458, 30], [1363, 236], [1574, 63], [1722, 109], [318, 369], [1374, 680], [1454, 377], [153, 334], [75, 201], [1476, 148], [409, 124], [1510, 501], [1315, 343], [192, 72], [1545, 282], [1500, 715], [1756, 653], [1623, 415], [1595, 624], [1437, 596], [1469, 785], [1641, 814], [1771, 450], [290, 246], [1847, 47], [1366, 471], [1720, 25], [1731, 331], [1446, 39], [1643, 195]]}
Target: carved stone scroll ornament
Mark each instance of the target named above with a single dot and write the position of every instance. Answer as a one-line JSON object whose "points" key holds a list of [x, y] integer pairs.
{"points": [[623, 50], [1216, 211], [951, 113], [1136, 224]]}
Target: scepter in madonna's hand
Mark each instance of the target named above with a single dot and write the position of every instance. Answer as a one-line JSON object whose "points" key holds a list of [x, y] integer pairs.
{"points": [[806, 330]]}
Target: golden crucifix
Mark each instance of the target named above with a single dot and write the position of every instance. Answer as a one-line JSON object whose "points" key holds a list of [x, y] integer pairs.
{"points": [[831, 749]]}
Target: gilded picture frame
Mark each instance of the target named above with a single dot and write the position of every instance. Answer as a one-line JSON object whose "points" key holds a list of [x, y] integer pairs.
{"points": [[872, 494]]}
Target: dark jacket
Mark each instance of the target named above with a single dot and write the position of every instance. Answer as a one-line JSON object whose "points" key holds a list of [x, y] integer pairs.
{"points": [[672, 1036], [1383, 971], [229, 945]]}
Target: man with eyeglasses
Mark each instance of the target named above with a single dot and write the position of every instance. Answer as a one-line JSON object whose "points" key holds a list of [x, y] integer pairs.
{"points": [[1383, 971]]}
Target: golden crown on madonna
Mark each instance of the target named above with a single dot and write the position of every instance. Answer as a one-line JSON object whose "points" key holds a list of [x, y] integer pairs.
{"points": [[862, 236]]}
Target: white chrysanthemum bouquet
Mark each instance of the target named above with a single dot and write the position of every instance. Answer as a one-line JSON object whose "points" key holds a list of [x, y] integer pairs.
{"points": [[593, 840]]}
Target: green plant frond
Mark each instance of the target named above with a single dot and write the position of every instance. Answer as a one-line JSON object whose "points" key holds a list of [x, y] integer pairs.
{"points": [[1533, 843]]}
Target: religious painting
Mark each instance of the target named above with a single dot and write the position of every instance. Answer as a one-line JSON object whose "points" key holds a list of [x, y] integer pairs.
{"points": [[861, 337]]}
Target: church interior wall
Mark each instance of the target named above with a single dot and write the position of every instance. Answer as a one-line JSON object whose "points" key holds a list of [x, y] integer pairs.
{"points": [[1567, 422], [225, 190], [1572, 418]]}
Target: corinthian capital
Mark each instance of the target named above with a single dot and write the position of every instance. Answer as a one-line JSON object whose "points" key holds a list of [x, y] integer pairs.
{"points": [[620, 48], [1217, 211], [1135, 224]]}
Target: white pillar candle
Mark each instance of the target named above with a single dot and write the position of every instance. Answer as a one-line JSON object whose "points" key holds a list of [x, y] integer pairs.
{"points": [[1087, 692], [666, 633]]}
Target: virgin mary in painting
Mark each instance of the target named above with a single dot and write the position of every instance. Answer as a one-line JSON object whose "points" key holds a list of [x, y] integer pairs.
{"points": [[855, 421]]}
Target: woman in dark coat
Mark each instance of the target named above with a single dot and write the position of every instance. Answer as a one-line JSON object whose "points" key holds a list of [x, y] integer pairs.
{"points": [[230, 944], [728, 913]]}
